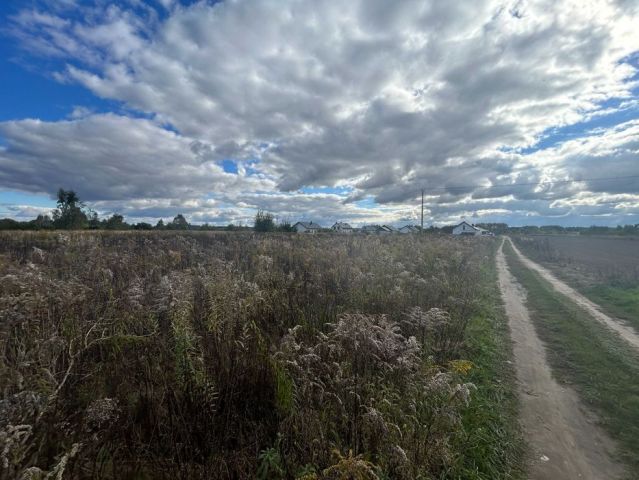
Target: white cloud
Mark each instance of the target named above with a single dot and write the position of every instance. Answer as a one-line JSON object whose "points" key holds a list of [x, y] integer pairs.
{"points": [[22, 212], [113, 158]]}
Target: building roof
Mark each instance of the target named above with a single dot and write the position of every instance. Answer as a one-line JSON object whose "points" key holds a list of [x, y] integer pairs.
{"points": [[371, 228], [341, 225], [475, 227], [466, 223], [308, 225]]}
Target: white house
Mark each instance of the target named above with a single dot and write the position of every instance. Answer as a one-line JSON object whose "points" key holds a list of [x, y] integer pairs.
{"points": [[389, 229], [306, 227], [342, 227], [409, 229], [465, 228]]}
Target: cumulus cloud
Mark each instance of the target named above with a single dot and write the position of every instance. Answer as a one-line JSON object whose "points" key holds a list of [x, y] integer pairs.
{"points": [[114, 158], [22, 212], [385, 98]]}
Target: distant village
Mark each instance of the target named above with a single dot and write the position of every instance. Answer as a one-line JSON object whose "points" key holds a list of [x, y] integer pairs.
{"points": [[464, 228], [72, 214]]}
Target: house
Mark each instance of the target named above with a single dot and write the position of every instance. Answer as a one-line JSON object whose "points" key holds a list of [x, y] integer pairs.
{"points": [[342, 227], [409, 229], [376, 229], [306, 227], [465, 228]]}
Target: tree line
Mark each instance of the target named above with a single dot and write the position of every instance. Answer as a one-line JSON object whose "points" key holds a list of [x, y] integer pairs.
{"points": [[73, 214]]}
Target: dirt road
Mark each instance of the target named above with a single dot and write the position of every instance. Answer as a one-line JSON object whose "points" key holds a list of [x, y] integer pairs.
{"points": [[624, 331], [566, 443]]}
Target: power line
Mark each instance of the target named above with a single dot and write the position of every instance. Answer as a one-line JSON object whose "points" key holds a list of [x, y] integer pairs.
{"points": [[531, 184]]}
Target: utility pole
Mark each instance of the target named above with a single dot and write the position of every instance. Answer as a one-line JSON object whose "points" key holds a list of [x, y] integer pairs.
{"points": [[422, 231]]}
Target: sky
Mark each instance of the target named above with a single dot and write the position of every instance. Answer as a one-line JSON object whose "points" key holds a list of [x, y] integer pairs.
{"points": [[524, 112]]}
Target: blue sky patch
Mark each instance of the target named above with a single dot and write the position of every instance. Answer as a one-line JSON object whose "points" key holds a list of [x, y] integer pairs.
{"points": [[23, 198], [333, 190], [229, 166]]}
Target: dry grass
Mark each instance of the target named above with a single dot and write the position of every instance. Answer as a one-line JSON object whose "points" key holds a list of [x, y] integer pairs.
{"points": [[594, 259], [604, 269], [234, 355]]}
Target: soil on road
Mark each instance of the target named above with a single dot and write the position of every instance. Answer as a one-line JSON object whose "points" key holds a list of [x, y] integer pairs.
{"points": [[626, 332], [565, 440]]}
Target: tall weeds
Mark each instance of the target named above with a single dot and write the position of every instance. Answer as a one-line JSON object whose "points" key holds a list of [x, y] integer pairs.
{"points": [[233, 355]]}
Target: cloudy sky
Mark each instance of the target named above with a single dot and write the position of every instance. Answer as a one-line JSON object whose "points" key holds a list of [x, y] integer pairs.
{"points": [[501, 110]]}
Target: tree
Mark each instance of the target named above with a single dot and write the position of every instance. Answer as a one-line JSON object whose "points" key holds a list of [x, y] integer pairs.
{"points": [[143, 226], [94, 220], [285, 226], [160, 225], [10, 224], [263, 222], [69, 214], [115, 222], [42, 222], [179, 223]]}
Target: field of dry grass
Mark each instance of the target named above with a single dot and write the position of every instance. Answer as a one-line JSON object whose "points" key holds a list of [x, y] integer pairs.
{"points": [[604, 258], [605, 269], [158, 355]]}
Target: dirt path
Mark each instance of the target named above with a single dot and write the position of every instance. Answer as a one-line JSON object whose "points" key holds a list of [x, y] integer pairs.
{"points": [[624, 331], [566, 442]]}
